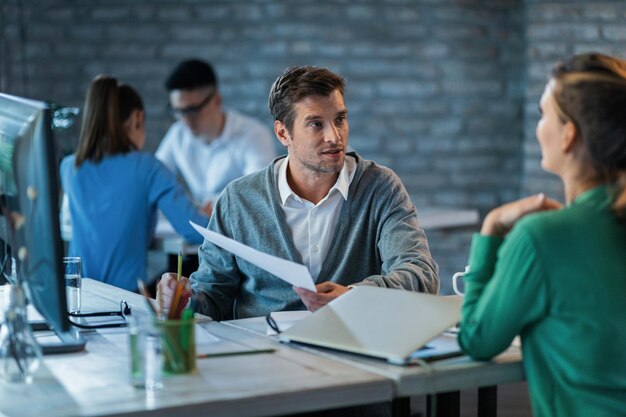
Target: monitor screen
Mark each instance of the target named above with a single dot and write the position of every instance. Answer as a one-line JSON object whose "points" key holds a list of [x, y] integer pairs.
{"points": [[29, 209]]}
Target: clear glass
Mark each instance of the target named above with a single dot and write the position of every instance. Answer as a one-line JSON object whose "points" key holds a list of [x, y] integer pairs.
{"points": [[20, 354], [146, 355], [73, 282]]}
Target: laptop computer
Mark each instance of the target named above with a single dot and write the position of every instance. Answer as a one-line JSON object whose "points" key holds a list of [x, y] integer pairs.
{"points": [[384, 323]]}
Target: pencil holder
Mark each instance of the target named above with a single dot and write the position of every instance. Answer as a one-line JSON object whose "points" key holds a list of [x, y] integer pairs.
{"points": [[179, 345]]}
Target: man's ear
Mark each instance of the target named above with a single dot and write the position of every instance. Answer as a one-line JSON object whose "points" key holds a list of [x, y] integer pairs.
{"points": [[570, 135], [281, 133]]}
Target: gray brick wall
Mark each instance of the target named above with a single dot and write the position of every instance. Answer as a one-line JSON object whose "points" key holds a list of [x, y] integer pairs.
{"points": [[443, 91], [432, 85], [554, 30]]}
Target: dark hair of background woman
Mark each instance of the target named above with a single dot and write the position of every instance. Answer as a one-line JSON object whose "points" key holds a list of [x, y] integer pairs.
{"points": [[107, 106]]}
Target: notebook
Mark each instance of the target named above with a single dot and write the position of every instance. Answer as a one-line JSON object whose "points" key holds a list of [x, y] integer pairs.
{"points": [[384, 323]]}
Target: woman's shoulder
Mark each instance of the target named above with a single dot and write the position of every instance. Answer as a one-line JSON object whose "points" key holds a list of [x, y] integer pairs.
{"points": [[68, 160], [130, 165], [139, 159], [143, 157], [543, 219], [148, 167], [67, 165], [551, 224]]}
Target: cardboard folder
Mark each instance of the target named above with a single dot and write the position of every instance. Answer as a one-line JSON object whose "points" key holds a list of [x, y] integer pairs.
{"points": [[385, 323]]}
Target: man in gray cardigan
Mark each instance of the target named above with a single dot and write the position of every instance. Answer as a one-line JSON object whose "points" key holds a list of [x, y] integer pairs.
{"points": [[349, 220]]}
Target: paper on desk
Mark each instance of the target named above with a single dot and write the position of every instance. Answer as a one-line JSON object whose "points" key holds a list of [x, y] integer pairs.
{"points": [[118, 336], [296, 274]]}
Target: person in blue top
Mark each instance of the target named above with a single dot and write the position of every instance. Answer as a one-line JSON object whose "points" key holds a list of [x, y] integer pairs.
{"points": [[114, 191]]}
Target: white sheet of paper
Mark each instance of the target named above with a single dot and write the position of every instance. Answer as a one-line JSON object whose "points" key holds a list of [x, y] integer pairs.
{"points": [[296, 274], [203, 337]]}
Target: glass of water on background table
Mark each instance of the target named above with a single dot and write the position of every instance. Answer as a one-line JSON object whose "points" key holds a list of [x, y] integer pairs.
{"points": [[73, 278]]}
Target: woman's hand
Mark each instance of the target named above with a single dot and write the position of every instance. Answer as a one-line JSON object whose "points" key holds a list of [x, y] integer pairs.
{"points": [[499, 221]]}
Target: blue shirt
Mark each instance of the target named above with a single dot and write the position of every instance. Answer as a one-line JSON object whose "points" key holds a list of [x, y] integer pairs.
{"points": [[113, 206]]}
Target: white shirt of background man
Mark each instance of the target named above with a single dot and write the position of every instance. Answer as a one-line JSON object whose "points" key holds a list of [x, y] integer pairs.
{"points": [[245, 146]]}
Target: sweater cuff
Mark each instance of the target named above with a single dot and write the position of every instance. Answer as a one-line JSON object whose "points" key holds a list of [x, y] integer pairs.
{"points": [[483, 255]]}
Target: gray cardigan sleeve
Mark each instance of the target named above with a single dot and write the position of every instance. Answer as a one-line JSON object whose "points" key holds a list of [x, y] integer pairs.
{"points": [[217, 282], [402, 245]]}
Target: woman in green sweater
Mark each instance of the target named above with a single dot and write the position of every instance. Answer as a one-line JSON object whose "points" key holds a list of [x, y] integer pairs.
{"points": [[557, 275]]}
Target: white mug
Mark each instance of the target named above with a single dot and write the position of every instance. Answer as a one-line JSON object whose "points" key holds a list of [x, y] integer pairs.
{"points": [[455, 277]]}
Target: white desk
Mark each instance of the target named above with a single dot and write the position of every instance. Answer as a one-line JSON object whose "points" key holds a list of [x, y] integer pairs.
{"points": [[441, 377], [96, 382], [291, 379]]}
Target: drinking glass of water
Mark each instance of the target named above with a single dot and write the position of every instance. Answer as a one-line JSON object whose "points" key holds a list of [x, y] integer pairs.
{"points": [[73, 278]]}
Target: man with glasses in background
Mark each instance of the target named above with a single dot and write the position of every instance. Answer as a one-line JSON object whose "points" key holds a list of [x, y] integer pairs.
{"points": [[208, 147]]}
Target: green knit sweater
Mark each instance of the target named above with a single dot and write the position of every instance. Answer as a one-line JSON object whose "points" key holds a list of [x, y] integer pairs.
{"points": [[558, 280]]}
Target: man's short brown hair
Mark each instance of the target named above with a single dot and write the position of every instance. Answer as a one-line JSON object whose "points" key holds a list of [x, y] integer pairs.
{"points": [[296, 83]]}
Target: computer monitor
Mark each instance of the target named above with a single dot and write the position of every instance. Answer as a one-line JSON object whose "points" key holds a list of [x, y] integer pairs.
{"points": [[29, 213]]}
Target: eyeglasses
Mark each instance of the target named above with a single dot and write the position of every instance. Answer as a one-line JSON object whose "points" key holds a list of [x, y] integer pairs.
{"points": [[123, 312], [190, 111], [272, 323]]}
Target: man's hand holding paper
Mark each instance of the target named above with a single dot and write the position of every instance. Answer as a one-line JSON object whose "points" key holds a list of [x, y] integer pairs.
{"points": [[326, 292]]}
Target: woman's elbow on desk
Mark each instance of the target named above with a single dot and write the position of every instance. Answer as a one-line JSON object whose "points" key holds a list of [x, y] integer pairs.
{"points": [[480, 348]]}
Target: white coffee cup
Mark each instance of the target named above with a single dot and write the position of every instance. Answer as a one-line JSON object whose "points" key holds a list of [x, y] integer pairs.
{"points": [[455, 277]]}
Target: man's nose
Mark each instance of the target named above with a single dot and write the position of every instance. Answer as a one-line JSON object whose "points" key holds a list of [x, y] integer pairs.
{"points": [[332, 135]]}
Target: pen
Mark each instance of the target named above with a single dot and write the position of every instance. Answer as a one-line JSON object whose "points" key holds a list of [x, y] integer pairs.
{"points": [[180, 265], [146, 294], [160, 303], [246, 352]]}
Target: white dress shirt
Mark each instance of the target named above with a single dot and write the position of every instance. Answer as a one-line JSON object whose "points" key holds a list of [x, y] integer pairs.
{"points": [[245, 146], [312, 226]]}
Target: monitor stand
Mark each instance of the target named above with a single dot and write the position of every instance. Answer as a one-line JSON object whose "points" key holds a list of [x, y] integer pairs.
{"points": [[53, 341]]}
